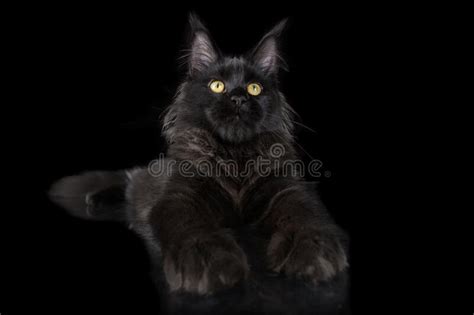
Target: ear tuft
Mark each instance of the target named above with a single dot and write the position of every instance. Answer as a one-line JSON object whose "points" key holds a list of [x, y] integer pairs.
{"points": [[202, 52], [195, 22]]}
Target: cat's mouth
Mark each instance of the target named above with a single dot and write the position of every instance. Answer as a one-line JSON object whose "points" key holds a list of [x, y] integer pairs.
{"points": [[237, 126], [237, 114], [240, 119], [241, 115]]}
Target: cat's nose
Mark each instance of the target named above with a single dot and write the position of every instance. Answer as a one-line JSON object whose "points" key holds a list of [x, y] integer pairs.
{"points": [[238, 99]]}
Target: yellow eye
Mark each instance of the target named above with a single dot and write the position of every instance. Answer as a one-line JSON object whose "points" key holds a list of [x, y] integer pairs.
{"points": [[254, 89], [217, 86]]}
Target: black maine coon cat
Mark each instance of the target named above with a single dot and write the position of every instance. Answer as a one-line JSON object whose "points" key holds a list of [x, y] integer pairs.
{"points": [[227, 109]]}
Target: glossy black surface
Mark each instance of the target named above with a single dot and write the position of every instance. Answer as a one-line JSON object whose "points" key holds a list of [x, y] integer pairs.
{"points": [[265, 292], [101, 76]]}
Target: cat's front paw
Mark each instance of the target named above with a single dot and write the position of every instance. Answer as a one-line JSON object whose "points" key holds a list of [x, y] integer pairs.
{"points": [[309, 254], [206, 264]]}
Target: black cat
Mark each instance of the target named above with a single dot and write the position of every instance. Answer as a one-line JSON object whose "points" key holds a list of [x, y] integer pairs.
{"points": [[227, 109]]}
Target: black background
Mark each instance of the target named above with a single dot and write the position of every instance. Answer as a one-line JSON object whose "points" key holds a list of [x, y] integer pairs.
{"points": [[99, 79]]}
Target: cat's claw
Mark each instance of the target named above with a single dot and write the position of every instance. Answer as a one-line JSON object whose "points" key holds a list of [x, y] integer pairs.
{"points": [[312, 255], [206, 266]]}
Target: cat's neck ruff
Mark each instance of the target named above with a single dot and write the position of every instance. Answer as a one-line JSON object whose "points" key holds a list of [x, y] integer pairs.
{"points": [[198, 144]]}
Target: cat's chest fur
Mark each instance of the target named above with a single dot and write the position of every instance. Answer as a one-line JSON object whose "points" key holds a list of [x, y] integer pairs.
{"points": [[234, 167]]}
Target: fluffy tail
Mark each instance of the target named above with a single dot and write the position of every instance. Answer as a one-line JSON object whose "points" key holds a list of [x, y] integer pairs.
{"points": [[98, 195]]}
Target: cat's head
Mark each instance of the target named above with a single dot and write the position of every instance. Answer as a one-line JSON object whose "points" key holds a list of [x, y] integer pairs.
{"points": [[234, 98]]}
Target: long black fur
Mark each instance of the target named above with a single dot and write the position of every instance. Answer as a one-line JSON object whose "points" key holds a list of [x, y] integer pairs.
{"points": [[208, 233]]}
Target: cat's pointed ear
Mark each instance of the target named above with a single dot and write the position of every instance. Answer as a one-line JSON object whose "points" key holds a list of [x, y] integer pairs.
{"points": [[202, 50], [266, 55]]}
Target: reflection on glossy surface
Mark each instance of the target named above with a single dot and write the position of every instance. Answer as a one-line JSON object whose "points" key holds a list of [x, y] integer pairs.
{"points": [[263, 293]]}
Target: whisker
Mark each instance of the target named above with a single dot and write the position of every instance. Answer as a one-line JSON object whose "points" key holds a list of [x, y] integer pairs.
{"points": [[276, 134], [303, 125], [294, 121]]}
